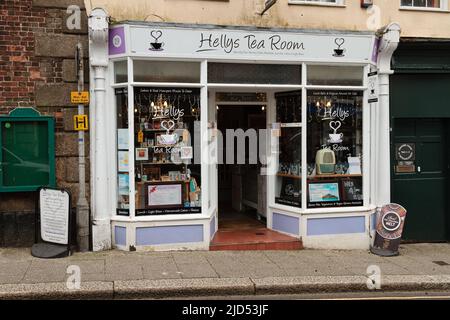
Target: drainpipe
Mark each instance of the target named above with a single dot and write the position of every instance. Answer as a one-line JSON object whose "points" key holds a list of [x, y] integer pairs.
{"points": [[390, 38], [98, 48]]}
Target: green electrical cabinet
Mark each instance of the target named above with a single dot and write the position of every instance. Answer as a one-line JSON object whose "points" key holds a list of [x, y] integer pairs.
{"points": [[27, 151]]}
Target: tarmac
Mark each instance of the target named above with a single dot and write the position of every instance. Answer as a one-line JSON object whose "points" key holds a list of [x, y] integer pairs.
{"points": [[154, 275]]}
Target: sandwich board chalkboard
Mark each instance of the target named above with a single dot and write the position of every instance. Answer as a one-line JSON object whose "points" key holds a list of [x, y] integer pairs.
{"points": [[53, 224]]}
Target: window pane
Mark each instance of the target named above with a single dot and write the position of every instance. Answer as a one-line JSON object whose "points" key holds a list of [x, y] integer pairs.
{"points": [[254, 73], [334, 150], [288, 180], [165, 71], [332, 75], [123, 176], [167, 124], [120, 72]]}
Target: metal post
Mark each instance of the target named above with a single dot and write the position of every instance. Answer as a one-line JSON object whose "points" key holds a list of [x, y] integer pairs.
{"points": [[82, 204]]}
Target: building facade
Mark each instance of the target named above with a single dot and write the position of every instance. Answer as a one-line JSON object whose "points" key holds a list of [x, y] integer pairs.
{"points": [[169, 76]]}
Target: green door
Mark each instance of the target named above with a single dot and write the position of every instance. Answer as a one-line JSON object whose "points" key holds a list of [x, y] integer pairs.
{"points": [[420, 171]]}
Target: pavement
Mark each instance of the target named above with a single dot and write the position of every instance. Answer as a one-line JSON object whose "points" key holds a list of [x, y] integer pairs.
{"points": [[135, 275]]}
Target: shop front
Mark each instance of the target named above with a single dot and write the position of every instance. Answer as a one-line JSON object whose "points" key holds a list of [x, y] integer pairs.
{"points": [[294, 115]]}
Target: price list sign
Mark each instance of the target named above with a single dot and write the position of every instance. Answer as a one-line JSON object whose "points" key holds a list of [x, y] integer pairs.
{"points": [[54, 215]]}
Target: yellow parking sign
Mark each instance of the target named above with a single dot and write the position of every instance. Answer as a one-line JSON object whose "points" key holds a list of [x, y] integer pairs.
{"points": [[81, 122], [79, 97]]}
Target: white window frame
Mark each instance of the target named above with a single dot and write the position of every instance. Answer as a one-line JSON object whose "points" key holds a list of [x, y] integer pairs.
{"points": [[337, 3], [443, 7]]}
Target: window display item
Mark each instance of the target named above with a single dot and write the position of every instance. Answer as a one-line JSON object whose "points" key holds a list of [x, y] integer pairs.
{"points": [[325, 161], [167, 139], [354, 165], [141, 154]]}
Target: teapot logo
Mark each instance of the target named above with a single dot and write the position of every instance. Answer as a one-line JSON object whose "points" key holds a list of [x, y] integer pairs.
{"points": [[339, 51], [155, 45]]}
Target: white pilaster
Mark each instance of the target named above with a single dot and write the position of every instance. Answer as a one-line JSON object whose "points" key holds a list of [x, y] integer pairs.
{"points": [[98, 48], [390, 38]]}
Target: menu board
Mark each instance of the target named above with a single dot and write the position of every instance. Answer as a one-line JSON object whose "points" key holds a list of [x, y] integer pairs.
{"points": [[54, 215], [352, 189]]}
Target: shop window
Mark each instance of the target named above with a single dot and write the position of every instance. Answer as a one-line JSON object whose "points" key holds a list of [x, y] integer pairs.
{"points": [[166, 71], [289, 128], [123, 171], [254, 73], [334, 149], [120, 72], [167, 125], [334, 75]]}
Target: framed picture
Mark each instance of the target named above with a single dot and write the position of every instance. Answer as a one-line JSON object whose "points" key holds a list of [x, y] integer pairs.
{"points": [[141, 154], [122, 139], [320, 192], [153, 173], [165, 195], [175, 175], [352, 189], [123, 161], [124, 184], [186, 153]]}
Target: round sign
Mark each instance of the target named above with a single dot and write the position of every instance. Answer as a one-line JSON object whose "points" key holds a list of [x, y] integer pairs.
{"points": [[391, 221], [7, 125], [405, 152], [117, 41]]}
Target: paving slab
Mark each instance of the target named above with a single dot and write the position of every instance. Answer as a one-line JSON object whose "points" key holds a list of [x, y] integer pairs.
{"points": [[14, 268], [193, 270]]}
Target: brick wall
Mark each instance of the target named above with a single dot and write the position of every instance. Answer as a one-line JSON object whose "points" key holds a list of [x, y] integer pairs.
{"points": [[37, 69]]}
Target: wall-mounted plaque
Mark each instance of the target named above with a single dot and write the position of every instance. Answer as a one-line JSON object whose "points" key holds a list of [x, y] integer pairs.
{"points": [[405, 151]]}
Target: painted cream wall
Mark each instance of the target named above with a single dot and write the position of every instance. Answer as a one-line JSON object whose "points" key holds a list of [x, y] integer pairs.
{"points": [[244, 12]]}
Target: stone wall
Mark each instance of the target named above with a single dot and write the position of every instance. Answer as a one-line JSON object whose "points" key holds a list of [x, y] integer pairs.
{"points": [[37, 69]]}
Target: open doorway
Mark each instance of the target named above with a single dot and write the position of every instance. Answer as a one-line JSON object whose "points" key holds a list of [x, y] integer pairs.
{"points": [[241, 176], [241, 187]]}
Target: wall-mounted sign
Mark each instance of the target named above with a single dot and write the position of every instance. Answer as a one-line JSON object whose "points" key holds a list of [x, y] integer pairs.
{"points": [[255, 44], [405, 151], [373, 87], [390, 223], [79, 97], [81, 122]]}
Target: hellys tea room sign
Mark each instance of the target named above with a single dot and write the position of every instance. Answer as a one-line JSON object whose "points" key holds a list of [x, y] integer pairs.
{"points": [[227, 43]]}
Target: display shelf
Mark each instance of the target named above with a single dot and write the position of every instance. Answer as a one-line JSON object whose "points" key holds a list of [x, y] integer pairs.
{"points": [[286, 175], [159, 163], [322, 176], [331, 176]]}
